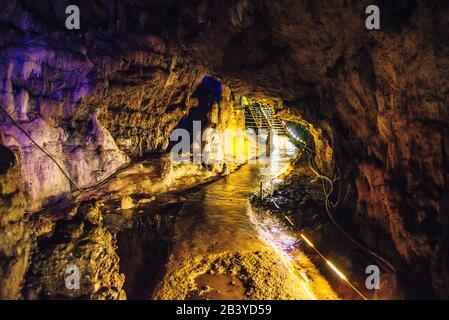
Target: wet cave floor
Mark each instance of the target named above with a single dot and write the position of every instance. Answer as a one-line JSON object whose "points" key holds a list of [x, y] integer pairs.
{"points": [[213, 242], [218, 252]]}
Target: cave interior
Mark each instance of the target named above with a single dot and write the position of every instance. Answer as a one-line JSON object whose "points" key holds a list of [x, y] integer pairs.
{"points": [[118, 180]]}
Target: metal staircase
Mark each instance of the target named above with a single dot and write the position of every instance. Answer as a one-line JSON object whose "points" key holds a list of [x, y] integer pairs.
{"points": [[261, 117], [275, 123]]}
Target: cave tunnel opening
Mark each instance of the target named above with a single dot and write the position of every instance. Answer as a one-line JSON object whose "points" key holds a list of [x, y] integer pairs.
{"points": [[144, 247], [207, 93], [204, 115]]}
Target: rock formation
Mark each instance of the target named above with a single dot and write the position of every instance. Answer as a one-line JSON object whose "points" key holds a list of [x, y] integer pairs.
{"points": [[79, 261], [98, 97], [15, 244]]}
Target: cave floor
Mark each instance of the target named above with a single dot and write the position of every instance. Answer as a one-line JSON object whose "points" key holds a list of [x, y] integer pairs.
{"points": [[219, 251], [206, 242]]}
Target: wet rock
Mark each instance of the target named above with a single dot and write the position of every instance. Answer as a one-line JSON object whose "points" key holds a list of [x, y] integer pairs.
{"points": [[147, 200], [143, 246], [126, 203], [80, 247], [42, 226], [93, 103], [15, 236]]}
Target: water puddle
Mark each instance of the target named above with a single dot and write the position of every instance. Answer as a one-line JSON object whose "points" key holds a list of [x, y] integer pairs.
{"points": [[217, 242]]}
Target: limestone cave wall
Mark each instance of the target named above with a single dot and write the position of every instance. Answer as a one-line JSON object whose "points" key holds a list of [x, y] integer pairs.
{"points": [[378, 99], [114, 90], [93, 99]]}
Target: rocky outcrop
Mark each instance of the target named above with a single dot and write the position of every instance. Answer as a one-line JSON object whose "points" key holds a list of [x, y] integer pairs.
{"points": [[79, 261], [92, 100], [15, 241]]}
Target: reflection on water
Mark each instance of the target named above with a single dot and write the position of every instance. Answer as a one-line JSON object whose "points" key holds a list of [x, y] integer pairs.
{"points": [[224, 204], [284, 242], [215, 236]]}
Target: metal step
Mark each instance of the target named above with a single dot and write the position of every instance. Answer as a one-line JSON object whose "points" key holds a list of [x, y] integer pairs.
{"points": [[261, 117]]}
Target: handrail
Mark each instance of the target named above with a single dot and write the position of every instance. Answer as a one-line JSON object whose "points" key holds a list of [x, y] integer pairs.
{"points": [[269, 119]]}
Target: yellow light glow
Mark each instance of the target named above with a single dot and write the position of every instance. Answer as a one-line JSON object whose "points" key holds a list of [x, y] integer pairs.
{"points": [[289, 221], [307, 240], [340, 274]]}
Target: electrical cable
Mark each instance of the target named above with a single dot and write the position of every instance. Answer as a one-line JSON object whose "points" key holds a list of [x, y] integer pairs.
{"points": [[329, 204], [41, 148]]}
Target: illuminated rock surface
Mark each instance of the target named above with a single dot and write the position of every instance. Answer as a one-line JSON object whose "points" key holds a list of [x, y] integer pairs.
{"points": [[112, 92], [85, 244], [214, 235], [15, 242]]}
